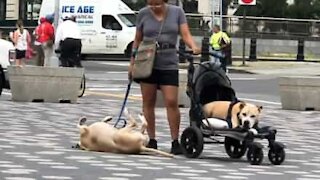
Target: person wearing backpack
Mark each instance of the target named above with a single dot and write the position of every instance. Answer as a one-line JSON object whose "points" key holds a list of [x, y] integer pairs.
{"points": [[220, 43]]}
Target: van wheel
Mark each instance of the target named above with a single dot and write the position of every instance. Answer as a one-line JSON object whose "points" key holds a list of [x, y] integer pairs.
{"points": [[128, 50]]}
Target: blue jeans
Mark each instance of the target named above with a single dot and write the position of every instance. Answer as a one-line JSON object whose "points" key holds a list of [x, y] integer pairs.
{"points": [[218, 58]]}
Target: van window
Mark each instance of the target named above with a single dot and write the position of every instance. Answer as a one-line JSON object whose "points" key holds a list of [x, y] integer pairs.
{"points": [[108, 22], [128, 19]]}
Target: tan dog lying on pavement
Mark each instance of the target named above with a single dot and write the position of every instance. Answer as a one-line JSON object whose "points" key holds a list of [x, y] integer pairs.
{"points": [[241, 112], [104, 137]]}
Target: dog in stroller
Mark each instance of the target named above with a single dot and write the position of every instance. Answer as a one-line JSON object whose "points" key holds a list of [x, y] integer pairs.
{"points": [[208, 83]]}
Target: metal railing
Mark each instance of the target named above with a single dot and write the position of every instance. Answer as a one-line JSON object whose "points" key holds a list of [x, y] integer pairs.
{"points": [[258, 26], [261, 27]]}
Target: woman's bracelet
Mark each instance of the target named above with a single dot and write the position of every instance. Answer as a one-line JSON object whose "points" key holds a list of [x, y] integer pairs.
{"points": [[134, 52]]}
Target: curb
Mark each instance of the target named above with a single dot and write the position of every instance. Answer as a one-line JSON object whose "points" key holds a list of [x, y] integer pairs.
{"points": [[230, 69], [239, 71]]}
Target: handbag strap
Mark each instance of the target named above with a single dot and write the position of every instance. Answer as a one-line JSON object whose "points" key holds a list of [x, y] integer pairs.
{"points": [[163, 21]]}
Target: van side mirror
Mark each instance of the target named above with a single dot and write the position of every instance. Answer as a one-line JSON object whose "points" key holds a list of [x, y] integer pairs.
{"points": [[116, 27]]}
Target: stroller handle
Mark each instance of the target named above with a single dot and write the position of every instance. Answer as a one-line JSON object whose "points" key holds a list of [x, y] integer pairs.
{"points": [[188, 54]]}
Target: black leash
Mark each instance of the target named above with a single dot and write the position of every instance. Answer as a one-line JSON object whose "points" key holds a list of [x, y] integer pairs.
{"points": [[123, 106], [229, 115]]}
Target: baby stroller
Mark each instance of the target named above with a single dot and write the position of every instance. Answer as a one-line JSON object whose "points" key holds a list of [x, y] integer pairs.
{"points": [[207, 82]]}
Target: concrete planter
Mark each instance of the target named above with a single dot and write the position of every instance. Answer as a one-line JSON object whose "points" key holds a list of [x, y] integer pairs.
{"points": [[45, 84], [300, 93], [183, 99]]}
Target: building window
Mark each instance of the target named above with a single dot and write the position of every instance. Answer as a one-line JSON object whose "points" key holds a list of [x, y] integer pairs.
{"points": [[33, 9]]}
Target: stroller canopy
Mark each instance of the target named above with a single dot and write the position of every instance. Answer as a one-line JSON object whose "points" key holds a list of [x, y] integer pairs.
{"points": [[210, 83]]}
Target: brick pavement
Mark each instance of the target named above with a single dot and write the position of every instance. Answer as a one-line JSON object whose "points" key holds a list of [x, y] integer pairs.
{"points": [[36, 140]]}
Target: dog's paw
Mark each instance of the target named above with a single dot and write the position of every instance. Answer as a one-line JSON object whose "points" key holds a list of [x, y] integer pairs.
{"points": [[126, 112], [254, 131], [82, 120], [142, 118], [77, 146]]}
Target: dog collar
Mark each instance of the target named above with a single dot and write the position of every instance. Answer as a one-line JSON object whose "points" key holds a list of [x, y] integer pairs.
{"points": [[229, 115], [239, 119]]}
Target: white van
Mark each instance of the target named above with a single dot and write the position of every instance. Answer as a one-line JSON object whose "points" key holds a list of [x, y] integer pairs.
{"points": [[107, 26]]}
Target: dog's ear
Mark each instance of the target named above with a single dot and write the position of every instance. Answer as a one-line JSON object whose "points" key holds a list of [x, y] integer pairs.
{"points": [[260, 108], [82, 120], [242, 105]]}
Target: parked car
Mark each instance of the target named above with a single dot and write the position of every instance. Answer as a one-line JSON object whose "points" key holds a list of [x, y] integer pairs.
{"points": [[7, 53]]}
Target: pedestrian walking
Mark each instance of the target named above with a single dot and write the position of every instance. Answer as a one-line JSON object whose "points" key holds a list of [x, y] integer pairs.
{"points": [[21, 40], [165, 73], [68, 41], [220, 43]]}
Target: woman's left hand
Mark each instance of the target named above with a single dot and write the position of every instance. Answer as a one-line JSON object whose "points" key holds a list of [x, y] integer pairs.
{"points": [[196, 50]]}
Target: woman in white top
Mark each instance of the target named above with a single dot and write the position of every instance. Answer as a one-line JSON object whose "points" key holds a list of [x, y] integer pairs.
{"points": [[21, 39]]}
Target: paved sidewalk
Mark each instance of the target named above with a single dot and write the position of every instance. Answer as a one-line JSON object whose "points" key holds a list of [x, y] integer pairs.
{"points": [[36, 142], [277, 68]]}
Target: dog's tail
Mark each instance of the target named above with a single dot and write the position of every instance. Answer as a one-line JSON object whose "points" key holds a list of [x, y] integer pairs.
{"points": [[145, 149]]}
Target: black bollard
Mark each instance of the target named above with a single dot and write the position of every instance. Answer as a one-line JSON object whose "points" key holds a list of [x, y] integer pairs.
{"points": [[300, 55], [253, 49], [228, 54], [182, 48], [205, 49]]}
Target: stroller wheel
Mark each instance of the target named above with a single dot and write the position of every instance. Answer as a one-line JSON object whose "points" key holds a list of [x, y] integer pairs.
{"points": [[255, 154], [234, 148], [192, 142], [276, 154]]}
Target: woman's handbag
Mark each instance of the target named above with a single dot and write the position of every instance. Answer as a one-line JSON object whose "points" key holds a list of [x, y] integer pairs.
{"points": [[143, 63], [29, 52], [146, 53]]}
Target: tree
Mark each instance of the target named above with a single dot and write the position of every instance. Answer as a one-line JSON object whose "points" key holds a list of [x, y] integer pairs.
{"points": [[301, 9], [265, 8], [316, 9], [225, 4]]}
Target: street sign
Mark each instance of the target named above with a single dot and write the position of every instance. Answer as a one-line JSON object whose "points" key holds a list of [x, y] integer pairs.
{"points": [[247, 2]]}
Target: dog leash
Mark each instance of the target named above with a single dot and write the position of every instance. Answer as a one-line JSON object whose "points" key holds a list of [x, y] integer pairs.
{"points": [[123, 106]]}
